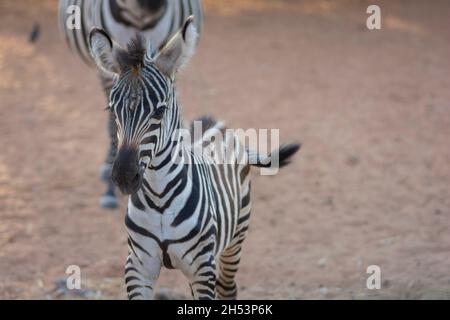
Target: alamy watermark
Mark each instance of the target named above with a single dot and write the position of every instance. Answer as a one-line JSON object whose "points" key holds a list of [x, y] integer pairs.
{"points": [[225, 146], [373, 22], [73, 20], [374, 280], [73, 281]]}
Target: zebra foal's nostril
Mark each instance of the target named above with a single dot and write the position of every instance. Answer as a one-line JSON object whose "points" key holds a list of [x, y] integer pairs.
{"points": [[136, 178], [126, 172]]}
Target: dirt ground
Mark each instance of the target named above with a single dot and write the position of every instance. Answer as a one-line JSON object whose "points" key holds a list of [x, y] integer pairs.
{"points": [[371, 185]]}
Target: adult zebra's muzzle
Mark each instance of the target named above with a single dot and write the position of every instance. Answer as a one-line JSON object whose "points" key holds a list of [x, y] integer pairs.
{"points": [[126, 172]]}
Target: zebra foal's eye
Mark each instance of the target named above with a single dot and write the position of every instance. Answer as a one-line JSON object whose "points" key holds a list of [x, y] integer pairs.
{"points": [[158, 114]]}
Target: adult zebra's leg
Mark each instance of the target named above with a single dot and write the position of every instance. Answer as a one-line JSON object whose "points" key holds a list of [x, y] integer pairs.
{"points": [[141, 273], [109, 199]]}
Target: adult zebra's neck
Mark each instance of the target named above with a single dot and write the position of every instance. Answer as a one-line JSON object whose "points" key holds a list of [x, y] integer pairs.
{"points": [[139, 14]]}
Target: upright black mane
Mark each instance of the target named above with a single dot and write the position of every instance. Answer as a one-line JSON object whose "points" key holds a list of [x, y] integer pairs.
{"points": [[133, 56]]}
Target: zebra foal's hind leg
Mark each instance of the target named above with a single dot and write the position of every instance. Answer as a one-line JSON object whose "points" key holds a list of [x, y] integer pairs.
{"points": [[228, 266], [109, 198], [230, 258]]}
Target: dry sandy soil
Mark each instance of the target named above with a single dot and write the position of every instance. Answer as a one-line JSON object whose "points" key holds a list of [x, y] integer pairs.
{"points": [[371, 185]]}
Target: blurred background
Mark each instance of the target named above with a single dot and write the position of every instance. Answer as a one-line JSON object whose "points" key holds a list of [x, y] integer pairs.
{"points": [[371, 185]]}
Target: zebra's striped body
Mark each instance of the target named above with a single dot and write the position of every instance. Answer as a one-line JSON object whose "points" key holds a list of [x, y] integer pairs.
{"points": [[155, 20], [121, 20], [191, 217], [186, 210]]}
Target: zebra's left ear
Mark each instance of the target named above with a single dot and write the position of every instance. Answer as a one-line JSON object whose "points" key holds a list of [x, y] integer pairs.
{"points": [[103, 51], [177, 52]]}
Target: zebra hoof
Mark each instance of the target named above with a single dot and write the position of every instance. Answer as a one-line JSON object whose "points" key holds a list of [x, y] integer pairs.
{"points": [[105, 172], [108, 202]]}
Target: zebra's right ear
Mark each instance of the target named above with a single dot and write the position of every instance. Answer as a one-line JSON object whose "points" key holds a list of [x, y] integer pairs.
{"points": [[102, 50], [176, 53]]}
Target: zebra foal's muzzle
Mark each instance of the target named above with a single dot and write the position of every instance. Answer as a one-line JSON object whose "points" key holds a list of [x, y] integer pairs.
{"points": [[126, 172]]}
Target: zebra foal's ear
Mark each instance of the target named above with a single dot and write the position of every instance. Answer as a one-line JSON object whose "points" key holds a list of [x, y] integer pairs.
{"points": [[177, 52], [102, 50]]}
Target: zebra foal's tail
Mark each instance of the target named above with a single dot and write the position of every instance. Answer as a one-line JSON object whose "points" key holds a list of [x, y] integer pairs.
{"points": [[284, 154]]}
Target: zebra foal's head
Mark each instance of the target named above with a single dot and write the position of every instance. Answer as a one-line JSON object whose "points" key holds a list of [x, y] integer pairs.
{"points": [[142, 98]]}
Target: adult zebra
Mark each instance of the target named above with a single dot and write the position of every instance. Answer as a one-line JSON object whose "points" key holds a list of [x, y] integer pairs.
{"points": [[156, 20], [185, 210]]}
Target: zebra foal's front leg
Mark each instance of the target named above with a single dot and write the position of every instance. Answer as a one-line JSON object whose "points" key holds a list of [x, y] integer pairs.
{"points": [[203, 283], [141, 274]]}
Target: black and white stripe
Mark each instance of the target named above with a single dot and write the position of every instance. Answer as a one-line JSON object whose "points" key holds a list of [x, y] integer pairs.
{"points": [[155, 20], [117, 19], [185, 210]]}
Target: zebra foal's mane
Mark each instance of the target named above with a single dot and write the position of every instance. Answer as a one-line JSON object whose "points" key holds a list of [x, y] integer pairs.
{"points": [[133, 56]]}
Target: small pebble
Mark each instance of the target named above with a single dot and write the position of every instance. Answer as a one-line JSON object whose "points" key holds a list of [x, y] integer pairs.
{"points": [[322, 262], [323, 291]]}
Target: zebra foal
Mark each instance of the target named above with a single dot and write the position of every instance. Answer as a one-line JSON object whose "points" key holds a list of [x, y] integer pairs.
{"points": [[185, 210], [156, 20]]}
